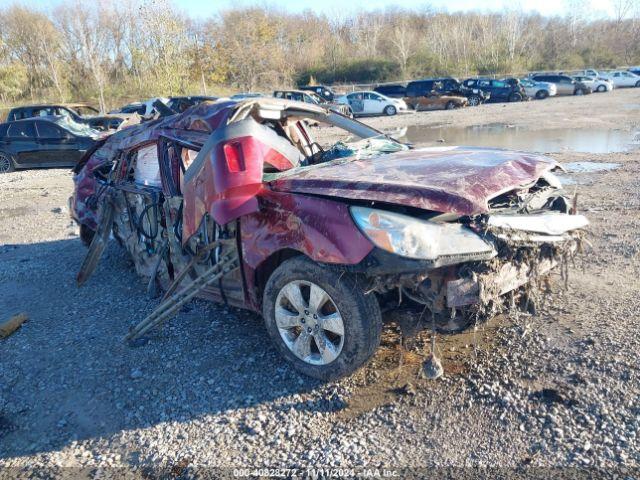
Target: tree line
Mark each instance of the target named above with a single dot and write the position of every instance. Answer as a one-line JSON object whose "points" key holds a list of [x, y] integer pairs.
{"points": [[107, 52]]}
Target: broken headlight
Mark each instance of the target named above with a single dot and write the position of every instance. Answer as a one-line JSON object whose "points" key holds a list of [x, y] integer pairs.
{"points": [[419, 239]]}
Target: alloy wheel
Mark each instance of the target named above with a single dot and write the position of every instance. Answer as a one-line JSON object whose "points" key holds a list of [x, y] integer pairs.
{"points": [[5, 164], [309, 322]]}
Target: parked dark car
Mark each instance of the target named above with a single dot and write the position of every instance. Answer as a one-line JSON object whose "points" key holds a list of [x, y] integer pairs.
{"points": [[79, 112], [565, 85], [499, 90], [44, 142], [448, 86], [322, 91], [180, 104], [321, 240], [392, 91], [313, 99]]}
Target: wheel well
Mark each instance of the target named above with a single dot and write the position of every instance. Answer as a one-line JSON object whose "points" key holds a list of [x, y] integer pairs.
{"points": [[267, 267]]}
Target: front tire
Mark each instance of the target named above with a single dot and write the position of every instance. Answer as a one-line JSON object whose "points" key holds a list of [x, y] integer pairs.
{"points": [[390, 110], [474, 100], [515, 97], [579, 92], [542, 94], [450, 105], [638, 83], [602, 88], [6, 163], [319, 318]]}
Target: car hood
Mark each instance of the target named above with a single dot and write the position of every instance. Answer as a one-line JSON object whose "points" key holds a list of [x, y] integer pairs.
{"points": [[458, 180]]}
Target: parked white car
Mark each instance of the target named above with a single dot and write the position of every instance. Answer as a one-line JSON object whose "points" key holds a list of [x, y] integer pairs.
{"points": [[372, 103], [596, 84], [622, 78], [538, 90]]}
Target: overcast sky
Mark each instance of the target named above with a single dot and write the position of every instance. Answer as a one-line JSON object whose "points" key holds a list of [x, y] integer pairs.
{"points": [[200, 8]]}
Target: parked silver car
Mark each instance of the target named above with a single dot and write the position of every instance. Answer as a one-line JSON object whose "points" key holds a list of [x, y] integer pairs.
{"points": [[539, 90], [565, 85]]}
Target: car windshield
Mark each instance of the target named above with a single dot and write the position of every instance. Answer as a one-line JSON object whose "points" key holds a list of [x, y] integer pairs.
{"points": [[77, 128]]}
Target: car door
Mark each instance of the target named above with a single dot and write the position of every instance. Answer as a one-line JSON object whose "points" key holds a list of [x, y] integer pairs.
{"points": [[356, 102], [629, 79], [620, 80], [373, 104], [58, 148], [21, 137], [564, 85]]}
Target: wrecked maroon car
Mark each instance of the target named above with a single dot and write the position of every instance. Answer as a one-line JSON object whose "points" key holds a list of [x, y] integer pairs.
{"points": [[238, 203]]}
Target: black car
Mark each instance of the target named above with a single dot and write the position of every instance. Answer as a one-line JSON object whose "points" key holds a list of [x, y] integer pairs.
{"points": [[508, 90], [392, 91], [78, 112], [322, 91], [180, 104], [43, 142]]}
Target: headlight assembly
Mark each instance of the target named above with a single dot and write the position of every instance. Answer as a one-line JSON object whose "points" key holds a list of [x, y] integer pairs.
{"points": [[421, 239]]}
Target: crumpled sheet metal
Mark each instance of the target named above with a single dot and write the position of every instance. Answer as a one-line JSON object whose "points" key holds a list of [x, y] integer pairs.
{"points": [[458, 180], [299, 223], [194, 125]]}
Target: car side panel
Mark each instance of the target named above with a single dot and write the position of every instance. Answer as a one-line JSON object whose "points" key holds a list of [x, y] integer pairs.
{"points": [[319, 228]]}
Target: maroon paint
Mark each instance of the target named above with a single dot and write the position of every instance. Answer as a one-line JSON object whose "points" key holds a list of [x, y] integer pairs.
{"points": [[227, 184], [319, 228], [460, 180]]}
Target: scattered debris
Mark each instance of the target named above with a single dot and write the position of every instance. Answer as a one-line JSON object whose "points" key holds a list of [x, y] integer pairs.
{"points": [[432, 368], [11, 325]]}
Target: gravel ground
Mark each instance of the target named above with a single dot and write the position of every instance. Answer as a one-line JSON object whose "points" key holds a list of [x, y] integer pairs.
{"points": [[208, 391]]}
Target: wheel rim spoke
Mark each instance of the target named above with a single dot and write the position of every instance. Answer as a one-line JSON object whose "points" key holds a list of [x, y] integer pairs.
{"points": [[294, 295], [317, 298], [302, 345], [333, 323], [327, 349], [286, 319]]}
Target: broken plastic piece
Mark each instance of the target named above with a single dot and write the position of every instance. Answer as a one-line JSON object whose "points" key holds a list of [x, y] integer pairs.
{"points": [[11, 325]]}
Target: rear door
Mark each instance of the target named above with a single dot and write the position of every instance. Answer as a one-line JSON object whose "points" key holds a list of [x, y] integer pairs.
{"points": [[565, 85], [373, 104], [57, 146], [22, 137]]}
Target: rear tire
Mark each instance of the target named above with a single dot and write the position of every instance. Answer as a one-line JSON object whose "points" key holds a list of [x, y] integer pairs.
{"points": [[638, 83], [542, 94], [474, 101], [7, 164], [579, 92], [390, 110], [359, 316], [450, 105], [515, 97], [602, 88]]}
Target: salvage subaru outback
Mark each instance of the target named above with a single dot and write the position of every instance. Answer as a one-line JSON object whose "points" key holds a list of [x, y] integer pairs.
{"points": [[238, 203]]}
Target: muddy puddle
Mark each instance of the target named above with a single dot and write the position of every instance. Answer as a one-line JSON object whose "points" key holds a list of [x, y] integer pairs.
{"points": [[391, 374], [521, 138]]}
